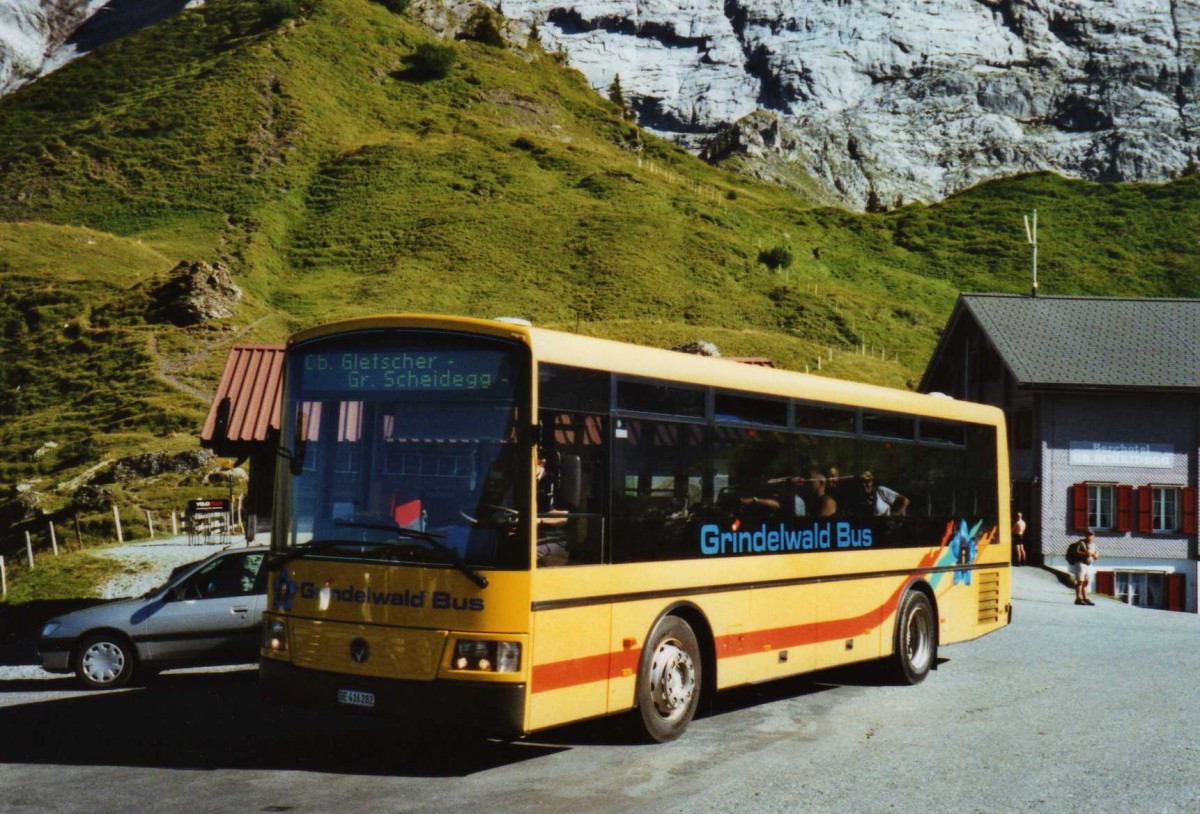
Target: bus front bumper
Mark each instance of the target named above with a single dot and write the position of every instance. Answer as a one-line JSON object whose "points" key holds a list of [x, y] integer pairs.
{"points": [[494, 709]]}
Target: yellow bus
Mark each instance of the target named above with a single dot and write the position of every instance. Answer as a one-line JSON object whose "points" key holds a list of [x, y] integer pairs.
{"points": [[487, 525]]}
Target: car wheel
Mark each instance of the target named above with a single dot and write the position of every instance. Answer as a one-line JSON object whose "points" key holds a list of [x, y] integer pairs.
{"points": [[916, 642], [105, 661], [668, 686]]}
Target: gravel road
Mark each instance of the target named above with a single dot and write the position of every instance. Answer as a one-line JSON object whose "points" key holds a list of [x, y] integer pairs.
{"points": [[149, 564]]}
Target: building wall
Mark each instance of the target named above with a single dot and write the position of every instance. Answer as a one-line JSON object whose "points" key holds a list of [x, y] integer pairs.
{"points": [[1106, 417]]}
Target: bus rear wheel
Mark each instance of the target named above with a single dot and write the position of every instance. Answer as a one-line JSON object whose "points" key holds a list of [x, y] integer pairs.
{"points": [[916, 643], [669, 680]]}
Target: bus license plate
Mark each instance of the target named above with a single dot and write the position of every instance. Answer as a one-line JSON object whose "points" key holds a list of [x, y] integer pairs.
{"points": [[356, 698]]}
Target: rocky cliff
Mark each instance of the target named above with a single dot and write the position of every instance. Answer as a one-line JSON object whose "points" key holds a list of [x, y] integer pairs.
{"points": [[880, 101], [37, 36], [884, 101], [32, 36]]}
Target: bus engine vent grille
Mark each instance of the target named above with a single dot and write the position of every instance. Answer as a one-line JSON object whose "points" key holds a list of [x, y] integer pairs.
{"points": [[989, 597]]}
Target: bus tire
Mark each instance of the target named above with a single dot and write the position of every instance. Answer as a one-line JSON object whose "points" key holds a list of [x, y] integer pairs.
{"points": [[915, 640], [669, 679]]}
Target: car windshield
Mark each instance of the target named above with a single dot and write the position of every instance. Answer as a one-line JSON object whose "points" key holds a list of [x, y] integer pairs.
{"points": [[404, 447]]}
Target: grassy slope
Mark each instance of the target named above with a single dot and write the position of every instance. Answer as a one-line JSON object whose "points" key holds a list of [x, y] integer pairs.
{"points": [[307, 158]]}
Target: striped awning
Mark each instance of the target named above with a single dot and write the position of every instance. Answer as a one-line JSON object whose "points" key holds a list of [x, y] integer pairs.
{"points": [[245, 409]]}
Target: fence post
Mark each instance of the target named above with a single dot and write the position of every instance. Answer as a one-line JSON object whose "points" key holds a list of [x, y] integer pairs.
{"points": [[174, 524], [53, 539], [150, 524], [3, 579], [117, 519], [29, 550]]}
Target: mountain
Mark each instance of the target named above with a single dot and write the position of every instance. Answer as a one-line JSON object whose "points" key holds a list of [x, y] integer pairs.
{"points": [[883, 101], [331, 158], [879, 102]]}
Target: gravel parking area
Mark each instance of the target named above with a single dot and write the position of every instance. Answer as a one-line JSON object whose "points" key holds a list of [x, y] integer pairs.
{"points": [[150, 563]]}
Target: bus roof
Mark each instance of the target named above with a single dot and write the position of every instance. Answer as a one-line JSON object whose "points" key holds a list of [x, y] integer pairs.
{"points": [[639, 360]]}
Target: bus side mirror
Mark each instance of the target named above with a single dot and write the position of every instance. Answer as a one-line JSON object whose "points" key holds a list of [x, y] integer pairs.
{"points": [[296, 464], [570, 481]]}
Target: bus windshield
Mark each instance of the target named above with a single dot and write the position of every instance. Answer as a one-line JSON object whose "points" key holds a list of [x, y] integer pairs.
{"points": [[403, 447]]}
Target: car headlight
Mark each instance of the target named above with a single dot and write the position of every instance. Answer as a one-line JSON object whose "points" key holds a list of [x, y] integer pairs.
{"points": [[49, 629], [274, 636], [486, 657]]}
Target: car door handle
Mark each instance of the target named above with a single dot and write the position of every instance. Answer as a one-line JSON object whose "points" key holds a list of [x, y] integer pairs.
{"points": [[239, 609]]}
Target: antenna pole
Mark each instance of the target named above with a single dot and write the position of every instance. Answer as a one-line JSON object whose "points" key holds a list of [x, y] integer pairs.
{"points": [[1031, 236]]}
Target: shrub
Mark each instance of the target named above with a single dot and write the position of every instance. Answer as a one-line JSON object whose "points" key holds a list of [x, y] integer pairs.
{"points": [[432, 60], [779, 257], [276, 11], [395, 6], [483, 26]]}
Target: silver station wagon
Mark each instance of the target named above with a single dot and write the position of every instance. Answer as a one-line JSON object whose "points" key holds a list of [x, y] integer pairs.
{"points": [[207, 613]]}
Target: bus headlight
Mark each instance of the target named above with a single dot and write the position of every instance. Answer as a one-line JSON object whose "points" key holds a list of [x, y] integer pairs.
{"points": [[274, 637], [486, 657]]}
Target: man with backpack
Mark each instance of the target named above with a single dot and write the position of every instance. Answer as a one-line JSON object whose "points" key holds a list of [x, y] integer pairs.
{"points": [[1080, 556]]}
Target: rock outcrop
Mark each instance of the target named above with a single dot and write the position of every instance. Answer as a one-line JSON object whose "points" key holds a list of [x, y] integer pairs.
{"points": [[890, 100], [195, 292], [151, 464]]}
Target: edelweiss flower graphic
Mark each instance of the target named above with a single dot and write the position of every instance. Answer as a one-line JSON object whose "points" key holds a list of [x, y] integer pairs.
{"points": [[963, 547], [285, 591]]}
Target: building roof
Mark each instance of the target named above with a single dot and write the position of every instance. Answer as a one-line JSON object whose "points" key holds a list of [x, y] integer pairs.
{"points": [[1089, 342], [252, 384]]}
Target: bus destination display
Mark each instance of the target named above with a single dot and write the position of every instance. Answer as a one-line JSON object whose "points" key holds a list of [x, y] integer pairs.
{"points": [[404, 371]]}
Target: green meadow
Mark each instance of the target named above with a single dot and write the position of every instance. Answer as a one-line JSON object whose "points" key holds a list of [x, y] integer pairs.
{"points": [[310, 149]]}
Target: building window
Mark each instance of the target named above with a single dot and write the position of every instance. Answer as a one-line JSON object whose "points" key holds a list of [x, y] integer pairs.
{"points": [[1021, 429], [1142, 589], [1106, 507], [1100, 503], [1165, 512]]}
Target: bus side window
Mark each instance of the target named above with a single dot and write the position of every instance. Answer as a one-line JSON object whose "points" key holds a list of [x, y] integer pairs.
{"points": [[659, 483], [574, 448]]}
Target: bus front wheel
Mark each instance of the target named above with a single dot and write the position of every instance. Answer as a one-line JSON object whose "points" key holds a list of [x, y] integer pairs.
{"points": [[916, 642], [669, 681]]}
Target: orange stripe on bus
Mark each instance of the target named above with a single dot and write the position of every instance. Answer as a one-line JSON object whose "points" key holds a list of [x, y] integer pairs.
{"points": [[569, 673], [558, 675]]}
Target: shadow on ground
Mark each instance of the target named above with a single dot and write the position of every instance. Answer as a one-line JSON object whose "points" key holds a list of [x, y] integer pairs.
{"points": [[216, 720]]}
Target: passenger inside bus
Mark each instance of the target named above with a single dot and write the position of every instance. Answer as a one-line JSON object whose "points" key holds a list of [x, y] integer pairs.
{"points": [[551, 519], [868, 498], [820, 503], [882, 500]]}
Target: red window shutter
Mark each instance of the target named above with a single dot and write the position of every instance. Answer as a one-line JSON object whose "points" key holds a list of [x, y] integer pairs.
{"points": [[1079, 513], [1124, 507], [1176, 586], [1105, 584], [1188, 496], [1145, 509]]}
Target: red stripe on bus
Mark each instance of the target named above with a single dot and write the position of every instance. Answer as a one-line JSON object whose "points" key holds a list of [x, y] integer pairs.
{"points": [[569, 673], [558, 675]]}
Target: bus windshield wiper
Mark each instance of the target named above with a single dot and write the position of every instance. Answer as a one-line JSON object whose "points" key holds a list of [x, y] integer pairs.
{"points": [[434, 541], [315, 547]]}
